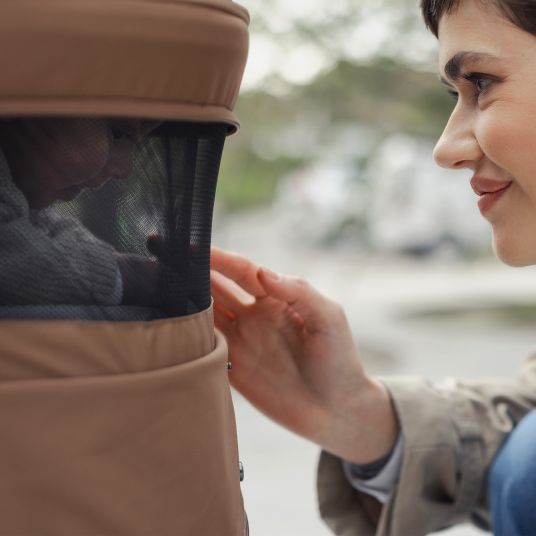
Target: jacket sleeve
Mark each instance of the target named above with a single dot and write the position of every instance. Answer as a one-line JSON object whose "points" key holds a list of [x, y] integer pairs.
{"points": [[452, 432]]}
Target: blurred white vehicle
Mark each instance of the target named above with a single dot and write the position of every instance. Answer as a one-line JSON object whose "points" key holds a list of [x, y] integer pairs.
{"points": [[401, 203], [417, 207], [321, 204]]}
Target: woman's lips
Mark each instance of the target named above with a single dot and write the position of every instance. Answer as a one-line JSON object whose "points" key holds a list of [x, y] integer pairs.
{"points": [[489, 191]]}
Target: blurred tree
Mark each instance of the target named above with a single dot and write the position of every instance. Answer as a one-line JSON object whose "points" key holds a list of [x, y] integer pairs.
{"points": [[324, 64]]}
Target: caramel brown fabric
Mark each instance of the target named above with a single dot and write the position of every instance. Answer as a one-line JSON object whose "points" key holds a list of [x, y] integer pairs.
{"points": [[117, 429], [121, 428], [167, 59]]}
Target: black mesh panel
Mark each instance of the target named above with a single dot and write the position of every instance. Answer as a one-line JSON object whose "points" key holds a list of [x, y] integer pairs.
{"points": [[106, 219]]}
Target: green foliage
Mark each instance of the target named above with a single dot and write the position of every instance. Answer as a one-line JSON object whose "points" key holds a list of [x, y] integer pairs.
{"points": [[383, 94], [247, 180]]}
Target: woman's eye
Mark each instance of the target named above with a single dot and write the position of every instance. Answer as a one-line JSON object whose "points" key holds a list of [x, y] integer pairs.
{"points": [[480, 82], [472, 86]]}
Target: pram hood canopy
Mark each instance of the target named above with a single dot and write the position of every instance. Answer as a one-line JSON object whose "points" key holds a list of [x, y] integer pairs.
{"points": [[167, 59], [113, 116]]}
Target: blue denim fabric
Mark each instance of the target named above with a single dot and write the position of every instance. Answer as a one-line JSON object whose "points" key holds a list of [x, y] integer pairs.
{"points": [[512, 488]]}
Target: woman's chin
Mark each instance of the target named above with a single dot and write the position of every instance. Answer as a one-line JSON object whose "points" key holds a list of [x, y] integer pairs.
{"points": [[514, 253]]}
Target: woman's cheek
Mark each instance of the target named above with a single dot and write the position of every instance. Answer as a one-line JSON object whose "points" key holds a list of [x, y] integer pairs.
{"points": [[494, 135], [504, 133]]}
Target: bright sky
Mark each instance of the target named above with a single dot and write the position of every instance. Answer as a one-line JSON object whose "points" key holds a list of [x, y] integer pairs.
{"points": [[365, 28]]}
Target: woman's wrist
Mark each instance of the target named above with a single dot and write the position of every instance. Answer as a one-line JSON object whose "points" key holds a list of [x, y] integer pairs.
{"points": [[364, 427]]}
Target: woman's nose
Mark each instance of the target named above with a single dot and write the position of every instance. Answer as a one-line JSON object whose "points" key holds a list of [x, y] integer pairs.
{"points": [[458, 147]]}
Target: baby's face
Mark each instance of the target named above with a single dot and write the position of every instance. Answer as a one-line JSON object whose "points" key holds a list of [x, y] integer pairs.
{"points": [[53, 159]]}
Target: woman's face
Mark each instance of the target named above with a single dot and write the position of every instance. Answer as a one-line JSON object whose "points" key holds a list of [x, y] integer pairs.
{"points": [[491, 65]]}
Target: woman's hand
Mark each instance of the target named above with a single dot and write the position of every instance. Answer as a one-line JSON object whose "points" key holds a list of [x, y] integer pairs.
{"points": [[295, 359]]}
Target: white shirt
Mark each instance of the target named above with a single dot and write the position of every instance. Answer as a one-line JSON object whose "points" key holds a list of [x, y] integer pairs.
{"points": [[381, 485]]}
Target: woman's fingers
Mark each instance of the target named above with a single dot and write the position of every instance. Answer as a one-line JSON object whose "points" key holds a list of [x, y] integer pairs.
{"points": [[315, 309], [224, 321], [224, 296], [239, 269]]}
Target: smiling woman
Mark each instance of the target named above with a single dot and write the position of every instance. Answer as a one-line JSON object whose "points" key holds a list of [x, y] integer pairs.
{"points": [[417, 456], [489, 64]]}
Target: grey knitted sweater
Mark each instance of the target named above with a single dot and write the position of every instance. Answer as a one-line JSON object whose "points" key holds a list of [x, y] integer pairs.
{"points": [[47, 259]]}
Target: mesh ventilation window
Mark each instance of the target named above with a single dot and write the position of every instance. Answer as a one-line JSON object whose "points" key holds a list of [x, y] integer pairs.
{"points": [[106, 219]]}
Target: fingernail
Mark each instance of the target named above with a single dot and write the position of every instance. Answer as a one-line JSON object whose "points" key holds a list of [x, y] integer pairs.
{"points": [[270, 274]]}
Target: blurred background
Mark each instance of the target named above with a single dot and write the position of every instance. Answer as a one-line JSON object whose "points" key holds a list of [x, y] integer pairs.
{"points": [[332, 178]]}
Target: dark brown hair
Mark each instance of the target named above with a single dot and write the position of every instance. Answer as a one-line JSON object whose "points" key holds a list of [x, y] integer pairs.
{"points": [[521, 12]]}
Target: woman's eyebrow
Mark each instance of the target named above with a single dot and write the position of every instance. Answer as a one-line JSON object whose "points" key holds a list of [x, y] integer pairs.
{"points": [[453, 67]]}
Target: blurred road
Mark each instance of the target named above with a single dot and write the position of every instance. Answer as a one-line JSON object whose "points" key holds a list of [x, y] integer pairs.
{"points": [[389, 303]]}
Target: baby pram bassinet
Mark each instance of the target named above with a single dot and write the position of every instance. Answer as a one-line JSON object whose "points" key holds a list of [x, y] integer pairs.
{"points": [[115, 410]]}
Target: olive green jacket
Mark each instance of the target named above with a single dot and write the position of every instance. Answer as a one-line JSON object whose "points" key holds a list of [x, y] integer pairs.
{"points": [[451, 434]]}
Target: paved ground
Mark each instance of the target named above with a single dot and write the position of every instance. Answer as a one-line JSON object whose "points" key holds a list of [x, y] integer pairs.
{"points": [[381, 297]]}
